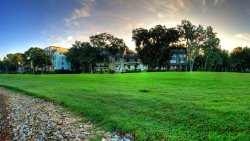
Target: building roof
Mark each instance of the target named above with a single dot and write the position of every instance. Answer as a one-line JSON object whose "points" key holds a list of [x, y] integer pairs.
{"points": [[56, 48]]}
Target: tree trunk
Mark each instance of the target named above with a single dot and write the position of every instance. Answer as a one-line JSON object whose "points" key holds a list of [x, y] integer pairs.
{"points": [[193, 60], [205, 66], [179, 62], [190, 62], [215, 68], [90, 68]]}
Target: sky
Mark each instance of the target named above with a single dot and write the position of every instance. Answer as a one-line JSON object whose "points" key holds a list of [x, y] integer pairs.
{"points": [[41, 23]]}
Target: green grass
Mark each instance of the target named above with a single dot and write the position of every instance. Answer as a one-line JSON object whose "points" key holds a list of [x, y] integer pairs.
{"points": [[152, 106]]}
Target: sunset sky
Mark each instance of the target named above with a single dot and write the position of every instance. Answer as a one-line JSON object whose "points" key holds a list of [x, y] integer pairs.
{"points": [[26, 23]]}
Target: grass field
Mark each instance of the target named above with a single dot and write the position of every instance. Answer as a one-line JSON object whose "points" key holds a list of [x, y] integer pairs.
{"points": [[152, 106]]}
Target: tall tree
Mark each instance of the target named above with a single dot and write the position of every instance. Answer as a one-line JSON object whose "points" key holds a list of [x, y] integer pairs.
{"points": [[153, 46], [211, 49], [37, 58], [109, 46], [240, 59], [82, 56], [226, 61], [194, 37], [13, 61]]}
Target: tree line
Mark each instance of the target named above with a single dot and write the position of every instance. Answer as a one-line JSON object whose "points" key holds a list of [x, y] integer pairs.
{"points": [[31, 60], [202, 45], [153, 47], [84, 55]]}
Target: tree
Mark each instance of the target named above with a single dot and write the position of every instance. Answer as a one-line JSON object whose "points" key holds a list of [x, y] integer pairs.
{"points": [[240, 59], [211, 49], [82, 56], [37, 58], [108, 46], [226, 61], [194, 37], [153, 46], [12, 61], [2, 66]]}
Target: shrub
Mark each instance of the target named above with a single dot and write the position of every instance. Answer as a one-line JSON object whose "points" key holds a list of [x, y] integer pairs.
{"points": [[111, 71], [51, 72], [62, 71], [132, 71]]}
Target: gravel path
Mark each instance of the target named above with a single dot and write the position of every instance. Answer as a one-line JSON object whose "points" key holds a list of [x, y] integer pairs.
{"points": [[24, 118]]}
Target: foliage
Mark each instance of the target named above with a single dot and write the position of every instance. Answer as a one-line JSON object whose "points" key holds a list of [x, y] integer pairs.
{"points": [[240, 59], [111, 71], [82, 57], [108, 44], [11, 62], [153, 46], [194, 37], [37, 57], [132, 71], [62, 72], [175, 106]]}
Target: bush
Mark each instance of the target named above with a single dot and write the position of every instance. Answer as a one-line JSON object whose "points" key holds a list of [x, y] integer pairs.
{"points": [[62, 71], [132, 71], [51, 72], [38, 72], [111, 71], [159, 70]]}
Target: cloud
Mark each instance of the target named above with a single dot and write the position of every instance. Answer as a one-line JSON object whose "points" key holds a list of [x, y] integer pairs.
{"points": [[219, 2], [78, 13], [120, 17], [216, 2], [70, 38], [181, 3], [244, 36], [204, 6]]}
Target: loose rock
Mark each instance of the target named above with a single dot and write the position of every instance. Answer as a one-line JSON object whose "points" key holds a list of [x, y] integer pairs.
{"points": [[27, 118]]}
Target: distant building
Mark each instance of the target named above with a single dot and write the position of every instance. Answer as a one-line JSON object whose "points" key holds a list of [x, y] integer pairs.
{"points": [[130, 61], [120, 63], [58, 58], [178, 59]]}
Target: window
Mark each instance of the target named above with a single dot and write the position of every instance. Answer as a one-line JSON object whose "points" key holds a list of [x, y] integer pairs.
{"points": [[62, 68], [128, 66], [172, 61], [62, 58], [117, 59], [62, 63]]}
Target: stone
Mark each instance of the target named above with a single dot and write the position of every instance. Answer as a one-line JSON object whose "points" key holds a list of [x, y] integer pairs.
{"points": [[35, 119]]}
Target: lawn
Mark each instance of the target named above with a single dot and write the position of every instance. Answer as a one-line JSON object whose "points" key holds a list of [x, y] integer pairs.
{"points": [[151, 106]]}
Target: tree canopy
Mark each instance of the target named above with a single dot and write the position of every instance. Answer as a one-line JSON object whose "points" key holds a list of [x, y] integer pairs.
{"points": [[153, 45], [108, 44], [241, 59], [38, 57], [82, 56]]}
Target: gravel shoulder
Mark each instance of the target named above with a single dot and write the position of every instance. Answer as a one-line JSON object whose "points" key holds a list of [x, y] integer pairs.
{"points": [[24, 117]]}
